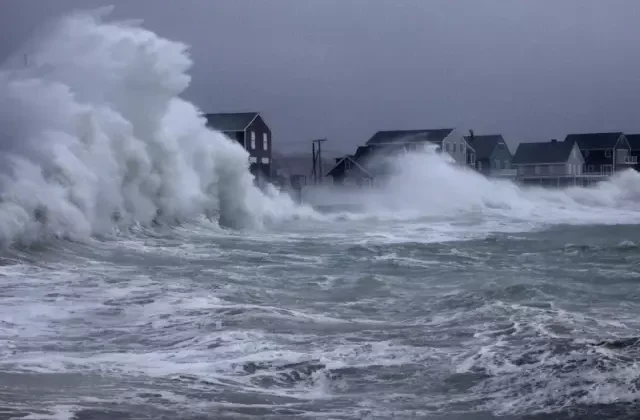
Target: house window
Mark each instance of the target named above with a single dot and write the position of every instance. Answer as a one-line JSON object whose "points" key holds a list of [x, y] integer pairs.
{"points": [[462, 148], [607, 153], [265, 141], [590, 168], [253, 139], [454, 147], [479, 164], [446, 147], [265, 160]]}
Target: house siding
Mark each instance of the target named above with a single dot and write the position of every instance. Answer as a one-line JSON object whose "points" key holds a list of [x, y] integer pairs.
{"points": [[622, 153], [636, 154], [237, 136], [471, 156], [548, 169], [575, 163], [456, 146], [261, 157], [552, 174], [607, 160], [499, 160]]}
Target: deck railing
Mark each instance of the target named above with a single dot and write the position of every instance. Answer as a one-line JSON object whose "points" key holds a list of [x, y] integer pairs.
{"points": [[598, 174], [630, 160]]}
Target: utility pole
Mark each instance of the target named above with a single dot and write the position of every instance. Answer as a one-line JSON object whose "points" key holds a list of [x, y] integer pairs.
{"points": [[316, 153]]}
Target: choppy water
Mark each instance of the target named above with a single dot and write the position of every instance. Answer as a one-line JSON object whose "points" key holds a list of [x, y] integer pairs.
{"points": [[203, 323], [445, 295]]}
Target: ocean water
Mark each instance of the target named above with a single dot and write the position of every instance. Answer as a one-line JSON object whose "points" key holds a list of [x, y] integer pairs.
{"points": [[143, 276]]}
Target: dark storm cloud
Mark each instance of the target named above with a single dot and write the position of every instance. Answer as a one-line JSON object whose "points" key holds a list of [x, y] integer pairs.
{"points": [[344, 69]]}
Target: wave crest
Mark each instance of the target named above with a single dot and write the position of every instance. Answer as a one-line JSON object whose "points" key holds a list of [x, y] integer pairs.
{"points": [[94, 136]]}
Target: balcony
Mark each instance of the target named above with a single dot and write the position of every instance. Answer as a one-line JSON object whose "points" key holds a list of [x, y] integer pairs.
{"points": [[504, 173], [629, 160]]}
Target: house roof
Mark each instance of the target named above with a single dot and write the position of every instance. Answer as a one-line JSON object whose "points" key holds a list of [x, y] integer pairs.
{"points": [[544, 152], [409, 136], [362, 153], [230, 121], [340, 166], [634, 141], [362, 159], [592, 141], [484, 145]]}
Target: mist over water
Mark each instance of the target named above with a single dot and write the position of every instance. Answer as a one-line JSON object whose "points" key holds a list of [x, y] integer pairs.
{"points": [[427, 185], [441, 294]]}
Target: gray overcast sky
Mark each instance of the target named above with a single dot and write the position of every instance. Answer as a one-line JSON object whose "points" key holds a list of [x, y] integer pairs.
{"points": [[343, 69]]}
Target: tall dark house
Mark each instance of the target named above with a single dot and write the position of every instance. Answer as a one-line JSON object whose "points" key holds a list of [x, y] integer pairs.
{"points": [[251, 131]]}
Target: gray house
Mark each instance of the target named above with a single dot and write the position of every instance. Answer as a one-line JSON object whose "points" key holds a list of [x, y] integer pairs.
{"points": [[554, 163], [604, 153], [492, 154], [357, 169], [448, 140], [250, 130], [634, 144]]}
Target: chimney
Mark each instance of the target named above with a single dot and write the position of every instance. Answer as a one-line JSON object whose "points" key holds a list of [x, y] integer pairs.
{"points": [[554, 141]]}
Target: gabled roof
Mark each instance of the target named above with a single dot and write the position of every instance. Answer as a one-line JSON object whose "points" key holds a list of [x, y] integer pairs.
{"points": [[340, 166], [230, 121], [591, 141], [547, 152], [484, 145], [362, 153], [366, 159], [409, 136], [634, 141]]}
